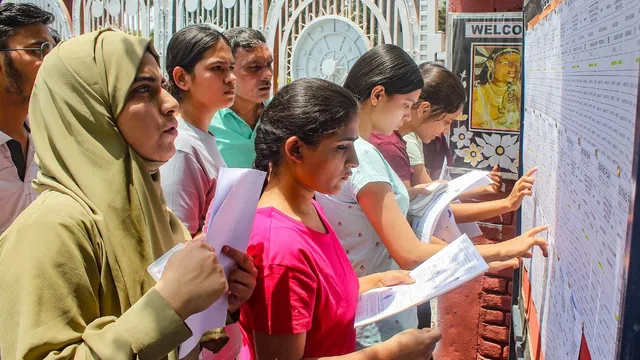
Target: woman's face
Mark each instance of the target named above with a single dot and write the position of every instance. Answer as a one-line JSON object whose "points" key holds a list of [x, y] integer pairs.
{"points": [[211, 86], [325, 167], [506, 68], [147, 121], [392, 111], [430, 129]]}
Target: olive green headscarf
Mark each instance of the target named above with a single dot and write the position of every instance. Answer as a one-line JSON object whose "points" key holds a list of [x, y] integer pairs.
{"points": [[79, 92]]}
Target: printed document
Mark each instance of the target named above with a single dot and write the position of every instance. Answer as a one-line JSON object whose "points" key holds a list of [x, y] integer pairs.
{"points": [[471, 229], [424, 226], [449, 268]]}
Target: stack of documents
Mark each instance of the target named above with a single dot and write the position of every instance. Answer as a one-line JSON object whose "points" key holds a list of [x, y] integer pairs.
{"points": [[419, 206], [425, 225]]}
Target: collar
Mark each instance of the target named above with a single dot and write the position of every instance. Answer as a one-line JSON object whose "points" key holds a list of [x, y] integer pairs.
{"points": [[4, 137], [228, 110]]}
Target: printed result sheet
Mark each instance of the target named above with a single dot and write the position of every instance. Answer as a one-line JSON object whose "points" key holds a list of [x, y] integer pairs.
{"points": [[449, 268], [581, 88]]}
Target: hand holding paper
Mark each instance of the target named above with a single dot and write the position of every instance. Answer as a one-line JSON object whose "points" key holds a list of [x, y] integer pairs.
{"points": [[242, 279], [192, 279], [424, 225], [229, 223], [449, 268]]}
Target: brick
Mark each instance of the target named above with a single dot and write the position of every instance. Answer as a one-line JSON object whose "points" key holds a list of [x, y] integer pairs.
{"points": [[492, 232], [505, 353], [507, 316], [495, 284], [511, 288], [489, 349], [494, 332], [508, 232], [507, 219], [493, 301], [506, 273], [480, 357], [492, 316]]}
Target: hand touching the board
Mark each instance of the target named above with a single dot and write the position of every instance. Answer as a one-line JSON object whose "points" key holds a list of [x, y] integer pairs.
{"points": [[521, 245], [496, 176], [522, 188]]}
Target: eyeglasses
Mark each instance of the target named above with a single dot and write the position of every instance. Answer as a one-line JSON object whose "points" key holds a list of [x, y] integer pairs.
{"points": [[43, 50]]}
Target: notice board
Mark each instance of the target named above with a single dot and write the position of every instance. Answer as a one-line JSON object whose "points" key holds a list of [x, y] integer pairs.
{"points": [[581, 71]]}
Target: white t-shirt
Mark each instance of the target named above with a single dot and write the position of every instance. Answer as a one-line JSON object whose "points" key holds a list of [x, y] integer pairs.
{"points": [[414, 149], [189, 178], [361, 242]]}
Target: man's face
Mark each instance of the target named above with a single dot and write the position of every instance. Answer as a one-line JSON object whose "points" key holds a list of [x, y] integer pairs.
{"points": [[18, 69], [254, 71]]}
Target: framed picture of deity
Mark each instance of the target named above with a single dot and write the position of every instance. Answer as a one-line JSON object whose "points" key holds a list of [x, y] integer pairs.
{"points": [[485, 50]]}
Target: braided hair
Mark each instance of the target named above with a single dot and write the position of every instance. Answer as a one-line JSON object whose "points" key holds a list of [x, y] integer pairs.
{"points": [[310, 109]]}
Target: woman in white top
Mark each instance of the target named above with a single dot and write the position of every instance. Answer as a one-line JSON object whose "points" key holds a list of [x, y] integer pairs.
{"points": [[369, 214], [200, 69]]}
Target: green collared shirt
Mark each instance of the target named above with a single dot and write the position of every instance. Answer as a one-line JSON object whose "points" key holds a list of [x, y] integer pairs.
{"points": [[234, 138]]}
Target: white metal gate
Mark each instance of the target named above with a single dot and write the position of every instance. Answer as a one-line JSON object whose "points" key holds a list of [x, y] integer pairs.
{"points": [[309, 38], [323, 38], [62, 22]]}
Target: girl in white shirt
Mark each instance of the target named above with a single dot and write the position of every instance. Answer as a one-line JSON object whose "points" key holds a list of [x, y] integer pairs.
{"points": [[200, 68]]}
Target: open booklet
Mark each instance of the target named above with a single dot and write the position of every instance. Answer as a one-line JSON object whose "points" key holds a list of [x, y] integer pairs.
{"points": [[449, 268], [424, 226], [229, 222]]}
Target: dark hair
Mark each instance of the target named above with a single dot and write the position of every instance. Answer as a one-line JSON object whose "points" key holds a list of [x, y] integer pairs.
{"points": [[242, 37], [442, 89], [386, 65], [186, 48], [14, 16], [55, 35], [310, 109]]}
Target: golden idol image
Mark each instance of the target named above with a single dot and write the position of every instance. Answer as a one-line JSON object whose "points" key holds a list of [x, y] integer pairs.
{"points": [[495, 101]]}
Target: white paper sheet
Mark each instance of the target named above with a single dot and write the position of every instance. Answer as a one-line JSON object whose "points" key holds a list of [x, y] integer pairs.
{"points": [[230, 221], [424, 226], [451, 267], [446, 228], [471, 229]]}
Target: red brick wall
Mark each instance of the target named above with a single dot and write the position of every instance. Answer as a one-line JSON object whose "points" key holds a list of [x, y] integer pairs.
{"points": [[475, 319]]}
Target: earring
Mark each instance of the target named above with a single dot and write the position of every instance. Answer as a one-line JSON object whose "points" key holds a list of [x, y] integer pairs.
{"points": [[490, 75]]}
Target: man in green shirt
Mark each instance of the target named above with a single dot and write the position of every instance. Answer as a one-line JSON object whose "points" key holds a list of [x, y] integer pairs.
{"points": [[235, 127]]}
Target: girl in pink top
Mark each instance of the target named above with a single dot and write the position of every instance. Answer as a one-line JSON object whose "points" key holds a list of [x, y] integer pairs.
{"points": [[305, 299]]}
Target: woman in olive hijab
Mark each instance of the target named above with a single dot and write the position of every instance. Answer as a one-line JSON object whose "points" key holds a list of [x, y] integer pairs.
{"points": [[73, 265]]}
